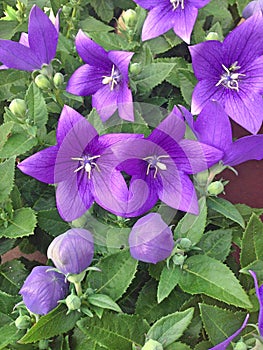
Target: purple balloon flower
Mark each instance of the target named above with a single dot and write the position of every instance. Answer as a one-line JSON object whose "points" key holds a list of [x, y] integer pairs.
{"points": [[160, 164], [104, 76], [82, 165], [232, 73], [36, 48], [72, 252], [252, 8], [179, 15], [225, 343], [151, 239], [42, 290], [259, 293], [213, 127]]}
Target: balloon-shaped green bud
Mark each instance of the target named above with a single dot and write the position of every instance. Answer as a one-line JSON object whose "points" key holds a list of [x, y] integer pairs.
{"points": [[23, 322], [130, 18], [58, 80], [73, 302], [215, 188], [152, 345], [42, 82], [18, 107], [212, 36]]}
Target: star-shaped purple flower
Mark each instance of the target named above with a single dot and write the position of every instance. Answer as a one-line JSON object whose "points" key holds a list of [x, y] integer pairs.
{"points": [[179, 15], [232, 73], [160, 164], [36, 48], [213, 127], [82, 166], [104, 76]]}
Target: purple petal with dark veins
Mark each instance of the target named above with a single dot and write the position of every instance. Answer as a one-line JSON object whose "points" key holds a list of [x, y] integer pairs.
{"points": [[124, 101], [225, 343], [244, 149], [253, 81], [198, 3], [43, 289], [42, 35], [184, 20], [86, 80], [159, 20], [146, 4], [91, 52], [105, 101], [121, 59], [41, 165]]}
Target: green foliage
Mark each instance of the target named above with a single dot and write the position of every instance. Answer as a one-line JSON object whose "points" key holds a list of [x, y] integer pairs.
{"points": [[168, 281], [21, 224], [7, 172]]}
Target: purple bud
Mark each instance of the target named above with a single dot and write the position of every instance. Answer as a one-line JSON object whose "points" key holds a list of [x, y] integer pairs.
{"points": [[42, 290], [72, 252], [151, 239]]}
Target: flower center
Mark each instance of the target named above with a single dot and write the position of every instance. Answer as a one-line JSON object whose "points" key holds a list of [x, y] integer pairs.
{"points": [[230, 77], [155, 163], [177, 3], [87, 163], [113, 79]]}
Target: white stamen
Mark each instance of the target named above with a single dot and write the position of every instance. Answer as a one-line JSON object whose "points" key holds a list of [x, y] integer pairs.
{"points": [[230, 79], [112, 80], [177, 3], [154, 162], [87, 164]]}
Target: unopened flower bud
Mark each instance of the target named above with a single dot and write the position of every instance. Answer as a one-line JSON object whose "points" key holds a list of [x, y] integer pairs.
{"points": [[73, 302], [240, 346], [42, 82], [152, 345], [185, 244], [129, 18], [135, 68], [58, 80], [23, 322], [215, 188], [178, 259], [18, 107], [42, 290], [151, 239], [72, 252], [212, 36]]}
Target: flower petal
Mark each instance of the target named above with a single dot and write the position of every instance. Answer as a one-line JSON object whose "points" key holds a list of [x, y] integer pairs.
{"points": [[198, 3], [207, 60], [24, 39], [91, 52], [41, 165], [178, 191], [17, 56], [121, 59], [244, 149], [42, 35], [73, 197], [184, 20], [105, 101], [253, 81], [159, 20], [244, 109], [245, 43], [213, 126], [259, 293], [86, 80], [125, 105], [146, 4]]}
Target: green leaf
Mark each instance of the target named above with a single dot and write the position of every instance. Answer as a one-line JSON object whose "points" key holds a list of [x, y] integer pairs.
{"points": [[171, 327], [37, 109], [115, 331], [193, 226], [7, 302], [152, 75], [111, 41], [211, 277], [12, 276], [148, 307], [103, 8], [16, 144], [217, 243], [225, 208], [187, 84], [51, 222], [7, 173], [9, 334], [91, 24], [103, 301], [5, 130], [252, 242], [177, 346], [80, 341], [54, 323], [10, 79], [117, 272], [168, 280], [219, 323], [20, 225]]}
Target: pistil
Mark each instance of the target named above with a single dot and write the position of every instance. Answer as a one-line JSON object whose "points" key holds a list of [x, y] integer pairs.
{"points": [[86, 163], [113, 79], [230, 78], [177, 3], [154, 162]]}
